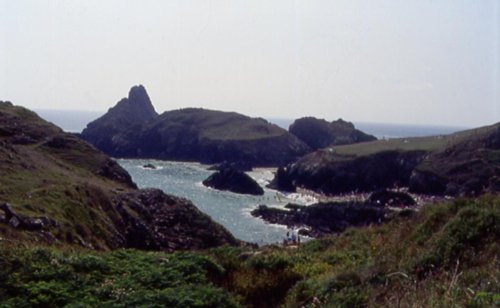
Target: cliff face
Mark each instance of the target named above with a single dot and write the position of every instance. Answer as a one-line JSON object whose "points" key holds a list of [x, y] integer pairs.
{"points": [[318, 133], [193, 134], [468, 166], [56, 188], [326, 172], [464, 163]]}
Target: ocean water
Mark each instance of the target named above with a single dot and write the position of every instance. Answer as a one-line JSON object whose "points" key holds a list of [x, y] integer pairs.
{"points": [[75, 121], [227, 208], [385, 130], [72, 121]]}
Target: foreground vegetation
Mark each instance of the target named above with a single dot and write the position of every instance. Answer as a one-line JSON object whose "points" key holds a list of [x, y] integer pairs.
{"points": [[446, 255]]}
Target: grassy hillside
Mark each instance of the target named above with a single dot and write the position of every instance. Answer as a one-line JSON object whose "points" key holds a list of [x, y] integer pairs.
{"points": [[444, 256], [61, 190], [429, 143], [46, 172]]}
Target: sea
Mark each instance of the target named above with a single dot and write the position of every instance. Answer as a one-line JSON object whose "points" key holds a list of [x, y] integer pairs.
{"points": [[231, 210]]}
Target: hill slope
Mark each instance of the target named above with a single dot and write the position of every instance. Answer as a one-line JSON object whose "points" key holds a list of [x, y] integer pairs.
{"points": [[445, 255], [463, 163], [469, 165], [62, 190]]}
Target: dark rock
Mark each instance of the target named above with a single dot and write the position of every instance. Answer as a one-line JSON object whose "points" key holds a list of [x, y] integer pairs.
{"points": [[26, 223], [323, 218], [324, 172], [115, 131], [391, 198], [282, 181], [468, 166], [112, 170], [422, 182], [318, 133], [15, 222], [191, 134], [149, 166], [235, 181], [168, 223], [107, 209]]}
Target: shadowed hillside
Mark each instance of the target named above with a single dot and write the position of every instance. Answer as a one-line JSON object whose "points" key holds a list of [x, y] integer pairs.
{"points": [[191, 134], [463, 163], [57, 189]]}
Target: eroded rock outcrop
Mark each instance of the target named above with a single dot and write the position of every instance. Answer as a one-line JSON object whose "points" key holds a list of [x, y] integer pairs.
{"points": [[192, 134], [323, 218], [325, 172], [234, 180], [115, 132], [154, 220], [318, 133]]}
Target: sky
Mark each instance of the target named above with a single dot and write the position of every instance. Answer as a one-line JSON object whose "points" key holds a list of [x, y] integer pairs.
{"points": [[415, 61]]}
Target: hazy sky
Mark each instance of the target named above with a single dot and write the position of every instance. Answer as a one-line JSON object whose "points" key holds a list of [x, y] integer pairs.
{"points": [[418, 62]]}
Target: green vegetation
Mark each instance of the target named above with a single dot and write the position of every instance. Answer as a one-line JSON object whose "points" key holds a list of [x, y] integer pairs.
{"points": [[217, 125], [60, 190], [444, 256], [46, 172], [43, 277], [430, 143]]}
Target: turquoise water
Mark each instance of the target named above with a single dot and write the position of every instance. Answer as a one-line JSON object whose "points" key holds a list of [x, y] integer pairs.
{"points": [[229, 209]]}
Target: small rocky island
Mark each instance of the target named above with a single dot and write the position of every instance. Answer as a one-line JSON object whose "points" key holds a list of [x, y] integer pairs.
{"points": [[234, 180]]}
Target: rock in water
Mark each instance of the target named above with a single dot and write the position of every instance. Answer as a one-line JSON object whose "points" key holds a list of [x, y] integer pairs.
{"points": [[235, 181], [323, 218], [149, 166], [282, 181]]}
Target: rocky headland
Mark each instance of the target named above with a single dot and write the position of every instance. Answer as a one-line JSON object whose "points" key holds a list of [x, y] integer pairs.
{"points": [[327, 218], [328, 173], [57, 189], [468, 166], [191, 134], [461, 164], [319, 133]]}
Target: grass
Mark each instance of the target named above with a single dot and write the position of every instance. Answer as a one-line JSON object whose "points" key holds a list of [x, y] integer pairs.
{"points": [[217, 125], [123, 278], [430, 143], [444, 256], [54, 175]]}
